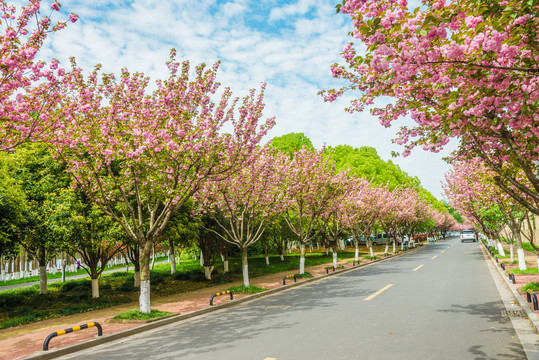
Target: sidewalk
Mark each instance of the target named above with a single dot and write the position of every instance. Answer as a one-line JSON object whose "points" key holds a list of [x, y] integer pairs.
{"points": [[26, 340], [520, 280]]}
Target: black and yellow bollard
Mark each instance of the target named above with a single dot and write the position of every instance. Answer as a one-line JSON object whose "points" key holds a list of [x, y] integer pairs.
{"points": [[70, 330]]}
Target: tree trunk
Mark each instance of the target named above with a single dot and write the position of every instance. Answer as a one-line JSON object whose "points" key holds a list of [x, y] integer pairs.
{"points": [[207, 272], [42, 271], [356, 254], [201, 258], [302, 259], [172, 255], [394, 246], [245, 267], [281, 256], [153, 255], [267, 260], [144, 298], [520, 251], [387, 249], [95, 288], [43, 279], [335, 254], [521, 259], [64, 264], [511, 251], [371, 251], [500, 248]]}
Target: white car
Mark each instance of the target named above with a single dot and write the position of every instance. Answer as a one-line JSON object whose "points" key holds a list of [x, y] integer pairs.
{"points": [[467, 235]]}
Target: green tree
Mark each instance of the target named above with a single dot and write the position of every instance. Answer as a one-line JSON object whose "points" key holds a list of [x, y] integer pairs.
{"points": [[42, 179], [12, 208], [291, 143]]}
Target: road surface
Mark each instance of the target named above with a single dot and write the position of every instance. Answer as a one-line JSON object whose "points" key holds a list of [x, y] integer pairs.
{"points": [[437, 303]]}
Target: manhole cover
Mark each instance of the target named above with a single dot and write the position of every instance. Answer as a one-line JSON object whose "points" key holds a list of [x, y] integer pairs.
{"points": [[276, 307], [513, 313]]}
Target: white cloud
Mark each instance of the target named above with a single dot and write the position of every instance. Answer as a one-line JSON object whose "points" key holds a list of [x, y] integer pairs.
{"points": [[246, 36]]}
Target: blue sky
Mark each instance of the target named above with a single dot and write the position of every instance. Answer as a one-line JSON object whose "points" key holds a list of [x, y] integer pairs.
{"points": [[288, 44]]}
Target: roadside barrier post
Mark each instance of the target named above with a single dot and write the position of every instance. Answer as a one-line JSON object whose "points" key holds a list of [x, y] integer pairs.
{"points": [[502, 265], [219, 294], [289, 277], [70, 330], [529, 295], [496, 259], [535, 305], [328, 267]]}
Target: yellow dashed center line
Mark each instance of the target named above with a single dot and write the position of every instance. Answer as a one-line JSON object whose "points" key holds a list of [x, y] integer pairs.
{"points": [[417, 268], [434, 257], [378, 292], [443, 251]]}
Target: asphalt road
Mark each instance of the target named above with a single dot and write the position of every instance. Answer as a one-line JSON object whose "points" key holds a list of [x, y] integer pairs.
{"points": [[437, 303]]}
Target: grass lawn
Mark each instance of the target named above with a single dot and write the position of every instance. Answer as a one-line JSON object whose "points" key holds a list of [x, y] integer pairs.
{"points": [[26, 305], [58, 275], [531, 270]]}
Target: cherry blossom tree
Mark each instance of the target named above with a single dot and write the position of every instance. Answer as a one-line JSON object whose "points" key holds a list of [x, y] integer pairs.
{"points": [[27, 86], [459, 69], [363, 212], [334, 218], [307, 195], [140, 156], [244, 203], [476, 180]]}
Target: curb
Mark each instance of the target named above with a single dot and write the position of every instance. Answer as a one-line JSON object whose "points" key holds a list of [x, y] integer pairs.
{"points": [[523, 303], [52, 354]]}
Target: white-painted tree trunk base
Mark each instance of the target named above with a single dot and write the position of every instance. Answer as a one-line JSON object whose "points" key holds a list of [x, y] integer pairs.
{"points": [[356, 255], [394, 246], [144, 298], [201, 259], [500, 249], [521, 260], [95, 288], [281, 257], [302, 265], [207, 272], [335, 259], [537, 260], [267, 260], [246, 275], [387, 249], [372, 252]]}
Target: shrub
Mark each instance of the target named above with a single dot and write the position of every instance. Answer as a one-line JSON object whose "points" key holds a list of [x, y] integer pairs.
{"points": [[76, 285], [127, 286], [243, 289], [117, 274], [137, 315], [305, 275]]}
